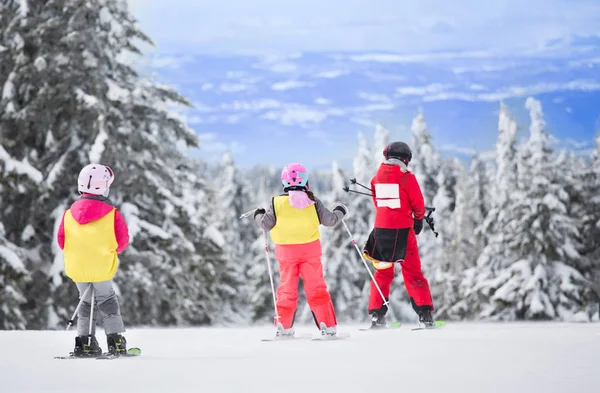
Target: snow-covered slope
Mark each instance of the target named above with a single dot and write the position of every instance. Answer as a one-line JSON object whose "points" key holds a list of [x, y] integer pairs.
{"points": [[464, 358]]}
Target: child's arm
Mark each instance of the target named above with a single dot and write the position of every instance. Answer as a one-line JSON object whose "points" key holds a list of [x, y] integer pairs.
{"points": [[60, 236], [265, 218], [121, 232], [327, 217]]}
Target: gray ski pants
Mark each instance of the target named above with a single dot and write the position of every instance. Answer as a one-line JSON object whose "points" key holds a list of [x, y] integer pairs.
{"points": [[107, 305]]}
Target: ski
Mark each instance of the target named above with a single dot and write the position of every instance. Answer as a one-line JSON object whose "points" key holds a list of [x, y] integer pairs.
{"points": [[392, 325], [437, 325], [295, 337], [131, 352], [339, 336]]}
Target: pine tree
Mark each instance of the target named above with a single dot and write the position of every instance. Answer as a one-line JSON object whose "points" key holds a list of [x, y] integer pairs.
{"points": [[232, 199], [12, 273], [439, 254], [537, 277], [345, 275], [265, 186], [73, 101], [425, 163]]}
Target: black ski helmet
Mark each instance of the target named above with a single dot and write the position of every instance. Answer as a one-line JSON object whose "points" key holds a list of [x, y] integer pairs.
{"points": [[398, 150]]}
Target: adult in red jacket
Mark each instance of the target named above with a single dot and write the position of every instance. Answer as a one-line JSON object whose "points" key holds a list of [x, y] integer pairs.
{"points": [[399, 218]]}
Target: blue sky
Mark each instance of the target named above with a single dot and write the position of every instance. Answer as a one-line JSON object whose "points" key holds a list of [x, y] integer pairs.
{"points": [[275, 81]]}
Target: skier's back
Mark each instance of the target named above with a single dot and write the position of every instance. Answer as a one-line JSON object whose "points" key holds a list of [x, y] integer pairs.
{"points": [[399, 218]]}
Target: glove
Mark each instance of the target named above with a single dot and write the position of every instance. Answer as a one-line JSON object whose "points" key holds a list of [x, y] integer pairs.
{"points": [[418, 226], [341, 208], [258, 211]]}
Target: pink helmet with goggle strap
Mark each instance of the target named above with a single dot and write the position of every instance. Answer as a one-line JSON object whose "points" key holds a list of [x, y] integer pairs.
{"points": [[95, 179], [294, 176]]}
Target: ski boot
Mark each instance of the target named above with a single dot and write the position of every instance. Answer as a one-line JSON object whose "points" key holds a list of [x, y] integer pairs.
{"points": [[425, 317], [328, 331], [377, 320], [117, 345], [284, 333], [86, 346]]}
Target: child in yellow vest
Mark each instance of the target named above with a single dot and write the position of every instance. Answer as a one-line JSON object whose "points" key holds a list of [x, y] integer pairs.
{"points": [[293, 220], [91, 234]]}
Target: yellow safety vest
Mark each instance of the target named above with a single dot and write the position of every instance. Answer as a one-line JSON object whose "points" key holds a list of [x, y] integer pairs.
{"points": [[90, 249], [294, 226]]}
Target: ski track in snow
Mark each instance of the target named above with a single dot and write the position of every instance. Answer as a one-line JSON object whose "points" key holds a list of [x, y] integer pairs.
{"points": [[462, 358]]}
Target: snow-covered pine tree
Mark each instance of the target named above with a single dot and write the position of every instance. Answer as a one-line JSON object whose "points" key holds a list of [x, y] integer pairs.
{"points": [[439, 260], [345, 275], [538, 277], [265, 185], [583, 177], [232, 198], [12, 274], [474, 286], [425, 163], [74, 100]]}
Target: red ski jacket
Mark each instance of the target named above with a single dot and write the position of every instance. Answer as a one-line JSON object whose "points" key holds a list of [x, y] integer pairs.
{"points": [[397, 196]]}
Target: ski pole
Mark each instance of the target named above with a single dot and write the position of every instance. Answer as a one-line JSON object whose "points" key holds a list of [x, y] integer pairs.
{"points": [[429, 220], [353, 181], [347, 189], [248, 213], [72, 320], [92, 304], [270, 275], [385, 302]]}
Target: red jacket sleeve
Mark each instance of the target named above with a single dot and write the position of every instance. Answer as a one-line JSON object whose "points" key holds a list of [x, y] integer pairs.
{"points": [[121, 232], [373, 192], [60, 236], [415, 196]]}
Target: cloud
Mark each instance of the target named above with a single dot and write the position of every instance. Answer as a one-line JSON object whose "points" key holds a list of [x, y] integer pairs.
{"points": [[374, 97], [477, 86], [212, 145], [365, 122], [383, 77], [235, 87], [577, 144], [252, 106], [458, 149], [515, 91], [331, 74], [433, 88], [419, 58], [302, 115], [296, 115], [288, 85], [169, 61], [425, 27], [322, 101]]}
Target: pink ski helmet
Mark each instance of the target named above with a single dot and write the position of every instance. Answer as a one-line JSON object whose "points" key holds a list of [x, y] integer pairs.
{"points": [[294, 176]]}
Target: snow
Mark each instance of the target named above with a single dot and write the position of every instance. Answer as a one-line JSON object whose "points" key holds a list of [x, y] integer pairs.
{"points": [[56, 169], [40, 64], [88, 99], [20, 167], [97, 148], [214, 235], [461, 358], [12, 258], [28, 233], [116, 93], [8, 91]]}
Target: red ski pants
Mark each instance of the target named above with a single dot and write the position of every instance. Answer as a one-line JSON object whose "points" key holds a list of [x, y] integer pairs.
{"points": [[415, 282], [317, 294]]}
